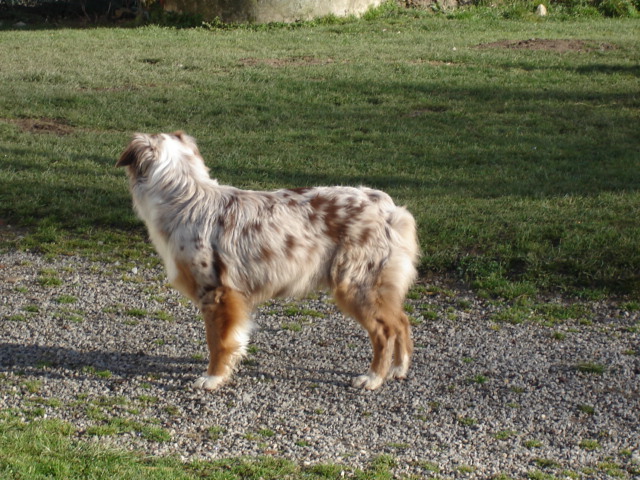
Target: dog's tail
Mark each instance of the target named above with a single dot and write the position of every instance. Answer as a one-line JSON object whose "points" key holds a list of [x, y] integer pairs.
{"points": [[401, 266]]}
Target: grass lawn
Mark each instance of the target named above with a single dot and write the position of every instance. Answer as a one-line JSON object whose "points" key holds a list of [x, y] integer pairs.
{"points": [[519, 158], [45, 449]]}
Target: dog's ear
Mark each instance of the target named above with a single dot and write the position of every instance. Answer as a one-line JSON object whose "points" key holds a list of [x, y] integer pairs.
{"points": [[128, 157], [187, 140], [134, 150], [184, 137]]}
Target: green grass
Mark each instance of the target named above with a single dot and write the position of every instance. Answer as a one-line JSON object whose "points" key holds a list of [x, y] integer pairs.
{"points": [[519, 165], [550, 314], [532, 443], [67, 299], [588, 409], [589, 444], [43, 449], [294, 310], [467, 421], [292, 326], [116, 426], [546, 463], [91, 370], [465, 469], [478, 379], [136, 312], [33, 386], [49, 280], [216, 432], [431, 467], [266, 433], [505, 434], [591, 367]]}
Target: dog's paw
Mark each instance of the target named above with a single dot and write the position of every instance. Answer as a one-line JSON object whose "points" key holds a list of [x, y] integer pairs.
{"points": [[397, 372], [370, 381], [209, 382]]}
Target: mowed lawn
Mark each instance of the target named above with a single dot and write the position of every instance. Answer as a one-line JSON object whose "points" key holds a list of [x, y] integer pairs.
{"points": [[515, 143]]}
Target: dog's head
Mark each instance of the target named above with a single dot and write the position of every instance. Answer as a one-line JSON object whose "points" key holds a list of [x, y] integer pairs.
{"points": [[150, 157]]}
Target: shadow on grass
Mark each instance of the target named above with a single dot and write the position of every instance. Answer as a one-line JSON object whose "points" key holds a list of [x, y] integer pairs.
{"points": [[610, 69], [427, 142], [69, 193]]}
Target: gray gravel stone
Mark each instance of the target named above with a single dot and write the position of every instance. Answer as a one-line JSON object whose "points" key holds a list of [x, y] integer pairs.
{"points": [[104, 344]]}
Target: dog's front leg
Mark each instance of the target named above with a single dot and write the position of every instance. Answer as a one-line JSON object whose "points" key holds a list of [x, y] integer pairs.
{"points": [[226, 319]]}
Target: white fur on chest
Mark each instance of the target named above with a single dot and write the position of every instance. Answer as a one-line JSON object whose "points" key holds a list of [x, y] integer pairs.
{"points": [[160, 242], [164, 250]]}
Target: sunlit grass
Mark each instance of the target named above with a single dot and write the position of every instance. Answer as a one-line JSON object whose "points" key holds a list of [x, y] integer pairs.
{"points": [[519, 165]]}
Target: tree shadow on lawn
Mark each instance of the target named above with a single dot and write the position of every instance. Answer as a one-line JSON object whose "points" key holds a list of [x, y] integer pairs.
{"points": [[68, 192], [484, 164], [466, 142]]}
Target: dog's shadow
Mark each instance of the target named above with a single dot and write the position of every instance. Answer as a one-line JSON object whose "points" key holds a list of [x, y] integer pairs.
{"points": [[58, 362], [54, 362]]}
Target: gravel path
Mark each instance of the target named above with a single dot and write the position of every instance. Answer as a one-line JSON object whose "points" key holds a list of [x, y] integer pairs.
{"points": [[113, 350]]}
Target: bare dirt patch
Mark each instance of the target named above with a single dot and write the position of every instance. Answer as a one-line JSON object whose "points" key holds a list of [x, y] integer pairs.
{"points": [[553, 45], [55, 126]]}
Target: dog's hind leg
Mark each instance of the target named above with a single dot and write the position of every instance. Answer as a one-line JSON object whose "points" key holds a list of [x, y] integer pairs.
{"points": [[227, 324], [382, 319], [403, 349]]}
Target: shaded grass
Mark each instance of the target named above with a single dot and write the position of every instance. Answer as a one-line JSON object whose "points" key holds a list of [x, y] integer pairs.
{"points": [[520, 166]]}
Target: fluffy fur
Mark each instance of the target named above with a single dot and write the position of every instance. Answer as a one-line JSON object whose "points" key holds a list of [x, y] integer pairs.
{"points": [[229, 249]]}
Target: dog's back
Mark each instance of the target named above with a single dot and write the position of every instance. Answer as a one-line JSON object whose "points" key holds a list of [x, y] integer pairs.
{"points": [[287, 242]]}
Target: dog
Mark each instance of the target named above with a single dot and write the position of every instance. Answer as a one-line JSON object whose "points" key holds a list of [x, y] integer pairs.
{"points": [[229, 249]]}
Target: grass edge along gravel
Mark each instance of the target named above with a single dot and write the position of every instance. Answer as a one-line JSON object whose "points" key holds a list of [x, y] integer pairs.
{"points": [[44, 449]]}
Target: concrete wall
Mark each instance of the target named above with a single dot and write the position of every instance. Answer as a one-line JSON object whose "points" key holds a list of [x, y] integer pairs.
{"points": [[265, 11]]}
